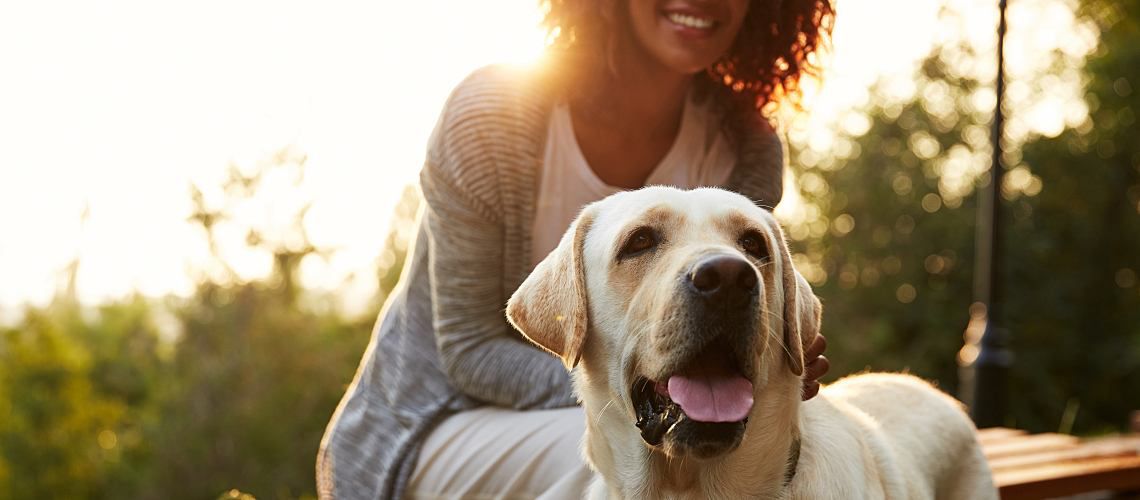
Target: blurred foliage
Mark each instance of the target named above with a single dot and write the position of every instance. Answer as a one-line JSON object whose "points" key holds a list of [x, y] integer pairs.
{"points": [[101, 404], [1074, 250], [254, 375], [74, 400], [401, 234], [891, 249], [225, 394], [891, 244]]}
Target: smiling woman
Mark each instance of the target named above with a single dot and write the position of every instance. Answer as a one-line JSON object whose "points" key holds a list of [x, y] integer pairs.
{"points": [[449, 402]]}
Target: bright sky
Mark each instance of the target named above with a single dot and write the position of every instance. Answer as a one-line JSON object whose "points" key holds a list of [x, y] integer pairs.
{"points": [[119, 105]]}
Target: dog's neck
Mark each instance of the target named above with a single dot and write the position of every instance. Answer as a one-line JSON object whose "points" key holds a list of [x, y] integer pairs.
{"points": [[762, 467], [793, 461]]}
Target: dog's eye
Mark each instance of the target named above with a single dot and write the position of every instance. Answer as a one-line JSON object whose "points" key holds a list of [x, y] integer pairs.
{"points": [[640, 241], [753, 244]]}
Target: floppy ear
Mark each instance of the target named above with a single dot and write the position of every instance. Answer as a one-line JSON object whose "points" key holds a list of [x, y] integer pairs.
{"points": [[802, 311], [550, 306]]}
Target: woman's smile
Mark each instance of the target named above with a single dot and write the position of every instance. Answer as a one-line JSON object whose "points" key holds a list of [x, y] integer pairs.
{"points": [[690, 22], [686, 36]]}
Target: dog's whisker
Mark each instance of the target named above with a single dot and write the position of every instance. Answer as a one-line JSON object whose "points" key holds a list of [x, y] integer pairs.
{"points": [[598, 417], [772, 315], [786, 350]]}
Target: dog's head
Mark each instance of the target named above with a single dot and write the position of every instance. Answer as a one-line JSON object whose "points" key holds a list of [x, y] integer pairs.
{"points": [[681, 307]]}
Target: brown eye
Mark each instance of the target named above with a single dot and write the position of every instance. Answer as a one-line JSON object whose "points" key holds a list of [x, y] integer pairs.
{"points": [[753, 244], [642, 240]]}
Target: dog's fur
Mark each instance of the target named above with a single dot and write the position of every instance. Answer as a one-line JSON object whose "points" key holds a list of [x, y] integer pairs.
{"points": [[620, 318]]}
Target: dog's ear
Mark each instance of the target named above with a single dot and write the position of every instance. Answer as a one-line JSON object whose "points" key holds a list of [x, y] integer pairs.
{"points": [[550, 307], [802, 311]]}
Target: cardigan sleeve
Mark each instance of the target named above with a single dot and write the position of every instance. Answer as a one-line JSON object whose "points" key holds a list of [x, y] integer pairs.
{"points": [[480, 352]]}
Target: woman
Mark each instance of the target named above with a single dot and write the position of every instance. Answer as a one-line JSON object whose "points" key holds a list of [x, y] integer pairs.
{"points": [[449, 400]]}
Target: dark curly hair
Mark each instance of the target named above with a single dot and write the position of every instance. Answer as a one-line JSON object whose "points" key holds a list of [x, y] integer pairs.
{"points": [[776, 46]]}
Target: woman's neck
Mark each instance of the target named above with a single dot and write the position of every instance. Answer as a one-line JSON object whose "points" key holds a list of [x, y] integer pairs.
{"points": [[633, 91], [626, 118]]}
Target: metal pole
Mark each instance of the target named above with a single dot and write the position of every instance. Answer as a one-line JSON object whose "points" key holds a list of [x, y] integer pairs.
{"points": [[985, 359]]}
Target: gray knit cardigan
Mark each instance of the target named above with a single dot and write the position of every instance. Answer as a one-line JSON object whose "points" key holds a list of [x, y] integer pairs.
{"points": [[442, 343]]}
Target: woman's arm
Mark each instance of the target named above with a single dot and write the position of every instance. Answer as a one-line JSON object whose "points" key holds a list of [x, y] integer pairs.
{"points": [[478, 133], [480, 352]]}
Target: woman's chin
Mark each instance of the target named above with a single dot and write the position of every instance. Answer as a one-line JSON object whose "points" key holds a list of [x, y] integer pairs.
{"points": [[687, 63]]}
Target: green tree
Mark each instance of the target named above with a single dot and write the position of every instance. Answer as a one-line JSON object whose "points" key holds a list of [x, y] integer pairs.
{"points": [[74, 398], [891, 250], [1075, 250], [255, 374], [96, 403], [892, 246]]}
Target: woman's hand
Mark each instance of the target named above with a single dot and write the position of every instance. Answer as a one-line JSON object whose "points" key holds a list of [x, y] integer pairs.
{"points": [[816, 366]]}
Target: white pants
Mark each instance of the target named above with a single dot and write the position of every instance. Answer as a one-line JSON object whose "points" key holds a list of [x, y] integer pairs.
{"points": [[496, 453]]}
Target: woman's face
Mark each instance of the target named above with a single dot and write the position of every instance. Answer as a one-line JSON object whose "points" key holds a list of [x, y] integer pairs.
{"points": [[686, 36]]}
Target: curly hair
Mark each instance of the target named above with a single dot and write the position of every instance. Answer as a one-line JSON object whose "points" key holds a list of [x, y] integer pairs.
{"points": [[776, 46]]}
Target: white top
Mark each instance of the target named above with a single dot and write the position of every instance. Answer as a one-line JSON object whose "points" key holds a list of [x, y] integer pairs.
{"points": [[700, 156]]}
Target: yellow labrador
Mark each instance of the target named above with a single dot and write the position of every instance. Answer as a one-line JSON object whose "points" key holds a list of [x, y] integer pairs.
{"points": [[687, 321]]}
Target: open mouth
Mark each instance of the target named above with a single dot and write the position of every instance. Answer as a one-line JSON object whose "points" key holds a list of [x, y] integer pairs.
{"points": [[707, 402]]}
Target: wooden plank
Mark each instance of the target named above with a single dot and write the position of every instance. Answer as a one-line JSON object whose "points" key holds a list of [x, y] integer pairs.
{"points": [[1069, 478], [991, 435], [1099, 448], [1000, 440], [997, 432], [1029, 444]]}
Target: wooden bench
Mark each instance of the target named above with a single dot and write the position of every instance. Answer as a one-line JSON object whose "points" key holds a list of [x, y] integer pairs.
{"points": [[1029, 466]]}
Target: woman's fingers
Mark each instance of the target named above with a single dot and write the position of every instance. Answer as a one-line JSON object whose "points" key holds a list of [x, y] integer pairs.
{"points": [[811, 388], [818, 345], [817, 368], [812, 373]]}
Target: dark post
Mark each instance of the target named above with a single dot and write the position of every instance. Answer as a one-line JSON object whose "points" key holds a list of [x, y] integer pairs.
{"points": [[985, 359]]}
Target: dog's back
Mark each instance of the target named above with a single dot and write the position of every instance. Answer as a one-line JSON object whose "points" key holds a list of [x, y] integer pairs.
{"points": [[921, 440]]}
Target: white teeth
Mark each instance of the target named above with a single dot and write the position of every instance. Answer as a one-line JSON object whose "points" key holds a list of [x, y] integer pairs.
{"points": [[690, 21]]}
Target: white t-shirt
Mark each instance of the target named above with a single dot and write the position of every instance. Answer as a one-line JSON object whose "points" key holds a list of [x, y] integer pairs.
{"points": [[700, 156]]}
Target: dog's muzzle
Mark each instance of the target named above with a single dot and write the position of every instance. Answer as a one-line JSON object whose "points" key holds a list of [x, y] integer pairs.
{"points": [[702, 405], [703, 409]]}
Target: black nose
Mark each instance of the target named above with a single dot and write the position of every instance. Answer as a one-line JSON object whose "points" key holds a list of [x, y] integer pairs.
{"points": [[723, 278]]}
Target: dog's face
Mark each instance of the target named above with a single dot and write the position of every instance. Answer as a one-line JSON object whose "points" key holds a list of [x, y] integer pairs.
{"points": [[681, 306]]}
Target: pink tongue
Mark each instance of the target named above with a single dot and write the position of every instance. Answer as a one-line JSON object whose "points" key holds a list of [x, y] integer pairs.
{"points": [[712, 397]]}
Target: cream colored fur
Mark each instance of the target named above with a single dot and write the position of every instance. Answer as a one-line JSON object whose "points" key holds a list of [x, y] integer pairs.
{"points": [[866, 436]]}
